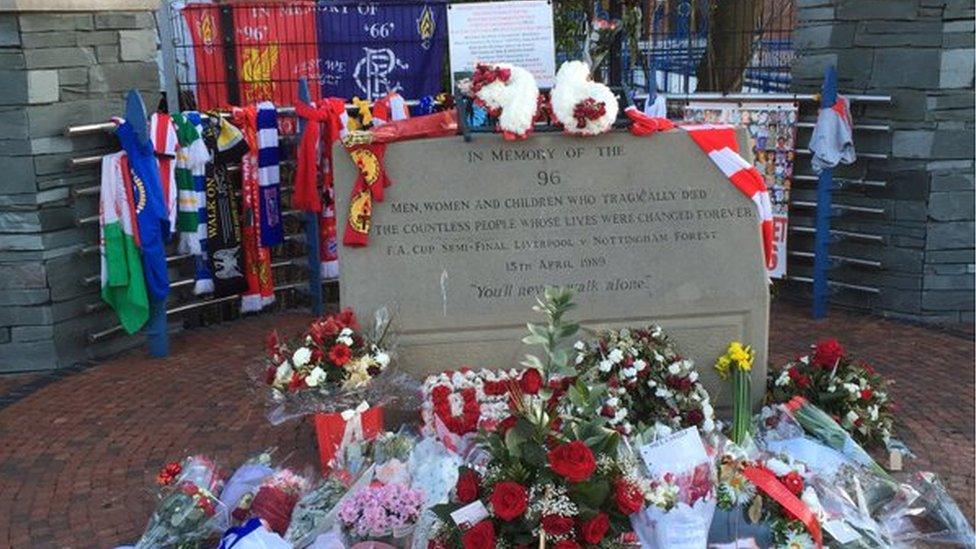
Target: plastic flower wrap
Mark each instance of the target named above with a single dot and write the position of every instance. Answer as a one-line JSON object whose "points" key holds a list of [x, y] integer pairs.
{"points": [[849, 390], [276, 498], [240, 488], [819, 425], [680, 493], [333, 366], [188, 510], [923, 514], [649, 382], [314, 513]]}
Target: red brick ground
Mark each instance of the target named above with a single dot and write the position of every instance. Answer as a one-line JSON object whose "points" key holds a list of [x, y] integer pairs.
{"points": [[78, 456]]}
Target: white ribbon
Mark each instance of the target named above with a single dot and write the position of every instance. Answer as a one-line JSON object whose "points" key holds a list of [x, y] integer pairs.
{"points": [[354, 424]]}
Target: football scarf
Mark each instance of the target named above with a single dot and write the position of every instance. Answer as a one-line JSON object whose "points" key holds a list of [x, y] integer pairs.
{"points": [[257, 258], [224, 255], [162, 132], [719, 143], [191, 157], [152, 218], [369, 185], [123, 282], [269, 175], [325, 122], [204, 279]]}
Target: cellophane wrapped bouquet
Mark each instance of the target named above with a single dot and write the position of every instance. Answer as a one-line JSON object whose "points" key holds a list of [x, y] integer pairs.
{"points": [[333, 366], [188, 510], [849, 390], [276, 498], [680, 492]]}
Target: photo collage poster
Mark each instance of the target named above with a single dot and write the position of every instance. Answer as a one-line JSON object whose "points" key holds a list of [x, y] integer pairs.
{"points": [[772, 134]]}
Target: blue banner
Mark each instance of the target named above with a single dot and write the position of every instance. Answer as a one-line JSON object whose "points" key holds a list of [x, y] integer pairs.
{"points": [[368, 49]]}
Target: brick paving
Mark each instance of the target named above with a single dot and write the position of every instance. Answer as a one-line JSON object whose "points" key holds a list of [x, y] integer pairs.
{"points": [[79, 455]]}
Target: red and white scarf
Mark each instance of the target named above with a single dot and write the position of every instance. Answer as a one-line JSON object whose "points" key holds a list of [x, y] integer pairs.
{"points": [[719, 143]]}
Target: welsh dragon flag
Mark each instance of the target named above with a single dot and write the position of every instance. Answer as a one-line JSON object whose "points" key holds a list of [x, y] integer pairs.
{"points": [[123, 282]]}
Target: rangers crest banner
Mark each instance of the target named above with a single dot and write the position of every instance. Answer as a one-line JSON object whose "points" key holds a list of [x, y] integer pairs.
{"points": [[369, 49]]}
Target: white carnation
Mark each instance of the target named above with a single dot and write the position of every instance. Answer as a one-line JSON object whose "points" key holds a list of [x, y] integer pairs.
{"points": [[301, 356], [616, 356], [640, 365], [316, 376], [382, 359], [674, 368], [605, 366]]}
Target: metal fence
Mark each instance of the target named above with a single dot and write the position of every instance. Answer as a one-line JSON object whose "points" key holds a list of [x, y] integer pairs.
{"points": [[685, 38], [231, 54]]}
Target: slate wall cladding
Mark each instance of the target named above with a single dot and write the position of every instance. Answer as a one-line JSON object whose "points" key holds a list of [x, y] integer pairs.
{"points": [[921, 53], [57, 70]]}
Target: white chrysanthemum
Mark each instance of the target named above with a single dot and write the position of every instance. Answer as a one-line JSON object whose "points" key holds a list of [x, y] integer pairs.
{"points": [[301, 356], [579, 346], [798, 540], [315, 377]]}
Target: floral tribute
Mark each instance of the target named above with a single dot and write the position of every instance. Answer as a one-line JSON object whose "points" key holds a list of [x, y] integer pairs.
{"points": [[331, 367], [465, 400], [737, 364], [509, 93], [553, 478], [848, 389], [188, 508], [332, 352], [791, 515], [649, 382], [381, 511]]}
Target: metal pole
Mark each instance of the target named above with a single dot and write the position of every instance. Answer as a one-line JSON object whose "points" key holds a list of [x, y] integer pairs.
{"points": [[312, 234], [825, 184], [227, 32], [167, 47]]}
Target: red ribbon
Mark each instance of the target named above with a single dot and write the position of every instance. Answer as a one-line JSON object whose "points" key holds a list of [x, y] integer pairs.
{"points": [[771, 486]]}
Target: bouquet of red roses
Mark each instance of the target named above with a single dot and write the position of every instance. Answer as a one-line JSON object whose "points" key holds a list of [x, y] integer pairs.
{"points": [[553, 478], [332, 367], [849, 390], [188, 510]]}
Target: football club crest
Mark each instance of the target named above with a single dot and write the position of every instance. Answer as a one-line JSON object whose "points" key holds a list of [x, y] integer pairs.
{"points": [[367, 163], [361, 212], [426, 27]]}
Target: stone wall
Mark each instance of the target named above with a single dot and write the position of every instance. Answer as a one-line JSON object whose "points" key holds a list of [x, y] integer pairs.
{"points": [[920, 52], [58, 70]]}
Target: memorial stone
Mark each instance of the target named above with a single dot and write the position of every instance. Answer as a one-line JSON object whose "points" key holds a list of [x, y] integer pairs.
{"points": [[646, 230]]}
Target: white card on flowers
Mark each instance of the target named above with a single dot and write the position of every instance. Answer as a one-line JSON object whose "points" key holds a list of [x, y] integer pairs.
{"points": [[674, 453], [470, 514]]}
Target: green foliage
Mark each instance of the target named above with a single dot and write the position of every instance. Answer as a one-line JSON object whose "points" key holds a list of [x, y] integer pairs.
{"points": [[554, 304]]}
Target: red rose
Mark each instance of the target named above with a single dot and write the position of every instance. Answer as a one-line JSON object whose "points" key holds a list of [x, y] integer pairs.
{"points": [[827, 353], [566, 544], [557, 525], [509, 500], [531, 381], [340, 354], [694, 417], [866, 394], [574, 461], [271, 342], [627, 496], [793, 482], [468, 485], [479, 536], [593, 530], [506, 424]]}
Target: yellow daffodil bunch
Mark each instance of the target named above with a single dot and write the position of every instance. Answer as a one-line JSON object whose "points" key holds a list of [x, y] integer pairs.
{"points": [[738, 357]]}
